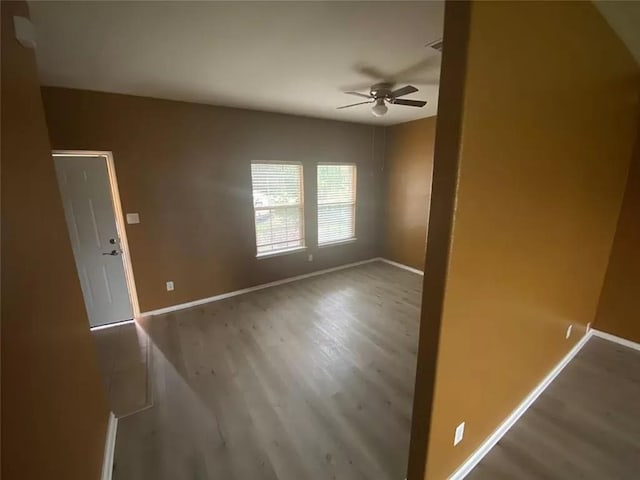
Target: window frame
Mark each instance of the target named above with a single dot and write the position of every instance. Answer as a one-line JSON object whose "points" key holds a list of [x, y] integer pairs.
{"points": [[354, 237], [300, 206]]}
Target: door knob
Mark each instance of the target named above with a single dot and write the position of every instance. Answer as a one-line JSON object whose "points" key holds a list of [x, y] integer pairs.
{"points": [[112, 252]]}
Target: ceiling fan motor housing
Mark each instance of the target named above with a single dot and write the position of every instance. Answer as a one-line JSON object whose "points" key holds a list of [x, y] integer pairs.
{"points": [[381, 90], [382, 93]]}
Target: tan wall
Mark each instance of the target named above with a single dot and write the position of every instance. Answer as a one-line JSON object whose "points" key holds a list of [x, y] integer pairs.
{"points": [[186, 169], [619, 308], [540, 153], [408, 164], [54, 411]]}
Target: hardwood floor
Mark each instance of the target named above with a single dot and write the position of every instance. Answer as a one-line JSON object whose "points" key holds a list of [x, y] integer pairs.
{"points": [[586, 425], [307, 380], [314, 380]]}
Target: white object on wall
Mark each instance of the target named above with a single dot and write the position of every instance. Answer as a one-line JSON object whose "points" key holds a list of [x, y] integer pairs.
{"points": [[133, 218], [459, 435], [25, 33]]}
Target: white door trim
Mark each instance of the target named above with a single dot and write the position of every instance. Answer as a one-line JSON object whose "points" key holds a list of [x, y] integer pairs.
{"points": [[119, 217]]}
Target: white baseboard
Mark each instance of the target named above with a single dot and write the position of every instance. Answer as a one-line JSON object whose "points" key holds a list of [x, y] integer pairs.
{"points": [[109, 447], [222, 296], [613, 338], [490, 442], [400, 265]]}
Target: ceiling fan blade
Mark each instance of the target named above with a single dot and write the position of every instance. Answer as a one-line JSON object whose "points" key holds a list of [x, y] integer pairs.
{"points": [[409, 103], [371, 72], [356, 86], [358, 94], [404, 91], [354, 104], [423, 65], [422, 81]]}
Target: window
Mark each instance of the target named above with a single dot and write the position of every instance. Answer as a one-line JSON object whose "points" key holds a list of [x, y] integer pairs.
{"points": [[278, 206], [336, 203]]}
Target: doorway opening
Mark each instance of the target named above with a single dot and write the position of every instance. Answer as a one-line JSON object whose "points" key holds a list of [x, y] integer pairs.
{"points": [[91, 201]]}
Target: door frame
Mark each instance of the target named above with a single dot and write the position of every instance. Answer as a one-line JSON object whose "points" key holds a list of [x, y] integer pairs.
{"points": [[119, 218]]}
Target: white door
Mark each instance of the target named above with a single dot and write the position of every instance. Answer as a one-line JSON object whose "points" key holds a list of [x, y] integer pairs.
{"points": [[88, 206]]}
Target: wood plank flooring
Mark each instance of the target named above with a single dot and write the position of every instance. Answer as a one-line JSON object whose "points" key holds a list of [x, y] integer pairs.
{"points": [[586, 424], [314, 380], [307, 380]]}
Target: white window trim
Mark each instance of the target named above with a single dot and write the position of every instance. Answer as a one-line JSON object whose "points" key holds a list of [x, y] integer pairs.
{"points": [[338, 242], [355, 203], [278, 253], [287, 250]]}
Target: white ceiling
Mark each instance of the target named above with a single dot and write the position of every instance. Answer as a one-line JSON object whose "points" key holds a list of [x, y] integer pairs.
{"points": [[293, 57]]}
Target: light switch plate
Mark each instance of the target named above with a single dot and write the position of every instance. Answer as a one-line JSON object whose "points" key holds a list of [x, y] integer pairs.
{"points": [[459, 435], [133, 218]]}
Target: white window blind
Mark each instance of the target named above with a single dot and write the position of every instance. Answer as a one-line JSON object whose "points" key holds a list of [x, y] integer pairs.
{"points": [[336, 202], [278, 206]]}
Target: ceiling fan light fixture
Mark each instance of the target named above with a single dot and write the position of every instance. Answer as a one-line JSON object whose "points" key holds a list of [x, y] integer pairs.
{"points": [[383, 93], [379, 109]]}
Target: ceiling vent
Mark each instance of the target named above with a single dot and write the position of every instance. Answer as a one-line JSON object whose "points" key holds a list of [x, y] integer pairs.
{"points": [[437, 45]]}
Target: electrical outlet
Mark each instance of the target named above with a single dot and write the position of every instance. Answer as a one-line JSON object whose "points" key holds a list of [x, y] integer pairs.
{"points": [[569, 331], [310, 257], [459, 435], [133, 218], [169, 286]]}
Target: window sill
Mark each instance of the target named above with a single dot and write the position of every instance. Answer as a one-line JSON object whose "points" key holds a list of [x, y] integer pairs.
{"points": [[338, 242], [278, 253]]}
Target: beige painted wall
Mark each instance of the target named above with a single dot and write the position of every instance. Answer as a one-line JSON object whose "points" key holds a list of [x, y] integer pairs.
{"points": [[619, 307], [186, 169], [529, 175], [408, 164], [54, 410]]}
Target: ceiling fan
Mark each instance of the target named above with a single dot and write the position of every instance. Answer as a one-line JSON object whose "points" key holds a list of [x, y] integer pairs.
{"points": [[382, 93]]}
